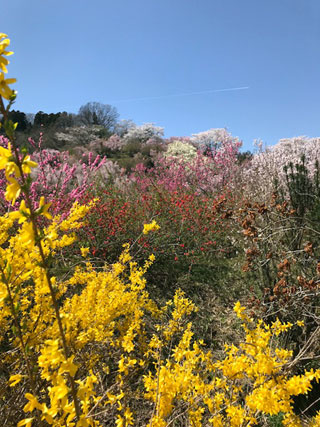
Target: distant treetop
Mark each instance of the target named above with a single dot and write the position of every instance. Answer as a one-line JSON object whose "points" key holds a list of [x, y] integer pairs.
{"points": [[95, 113]]}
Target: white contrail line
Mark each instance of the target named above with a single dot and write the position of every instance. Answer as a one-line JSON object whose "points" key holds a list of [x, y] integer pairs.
{"points": [[183, 94]]}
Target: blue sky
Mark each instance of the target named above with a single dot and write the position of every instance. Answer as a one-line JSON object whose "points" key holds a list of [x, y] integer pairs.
{"points": [[70, 52]]}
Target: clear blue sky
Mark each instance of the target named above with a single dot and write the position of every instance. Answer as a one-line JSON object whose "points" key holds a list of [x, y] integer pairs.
{"points": [[69, 52]]}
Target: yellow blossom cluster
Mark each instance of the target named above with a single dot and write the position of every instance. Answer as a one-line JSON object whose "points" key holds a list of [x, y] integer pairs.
{"points": [[24, 291], [249, 383], [5, 90], [150, 227]]}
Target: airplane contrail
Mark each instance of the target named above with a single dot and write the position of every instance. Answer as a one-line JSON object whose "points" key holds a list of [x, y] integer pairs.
{"points": [[183, 94]]}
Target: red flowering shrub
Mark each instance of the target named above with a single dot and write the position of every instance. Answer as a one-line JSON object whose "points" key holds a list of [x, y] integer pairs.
{"points": [[193, 241]]}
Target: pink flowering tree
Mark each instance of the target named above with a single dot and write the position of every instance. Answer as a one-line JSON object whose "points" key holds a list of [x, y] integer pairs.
{"points": [[202, 170], [61, 178]]}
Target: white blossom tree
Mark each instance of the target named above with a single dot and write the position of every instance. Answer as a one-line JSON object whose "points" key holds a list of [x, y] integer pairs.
{"points": [[215, 140], [181, 151], [144, 133]]}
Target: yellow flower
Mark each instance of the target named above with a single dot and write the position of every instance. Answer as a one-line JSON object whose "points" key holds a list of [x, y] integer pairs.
{"points": [[3, 45], [27, 164], [69, 366], [13, 190], [152, 257], [128, 416], [298, 384], [22, 214], [32, 404], [5, 156], [15, 379], [236, 415], [150, 227], [238, 309], [27, 422], [44, 208], [3, 63], [119, 421], [27, 234], [5, 91], [84, 251]]}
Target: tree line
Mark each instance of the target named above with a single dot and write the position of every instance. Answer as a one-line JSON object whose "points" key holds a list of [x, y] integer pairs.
{"points": [[91, 113]]}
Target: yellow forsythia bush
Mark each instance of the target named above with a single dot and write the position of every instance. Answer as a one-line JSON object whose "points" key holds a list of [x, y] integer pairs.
{"points": [[92, 348]]}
